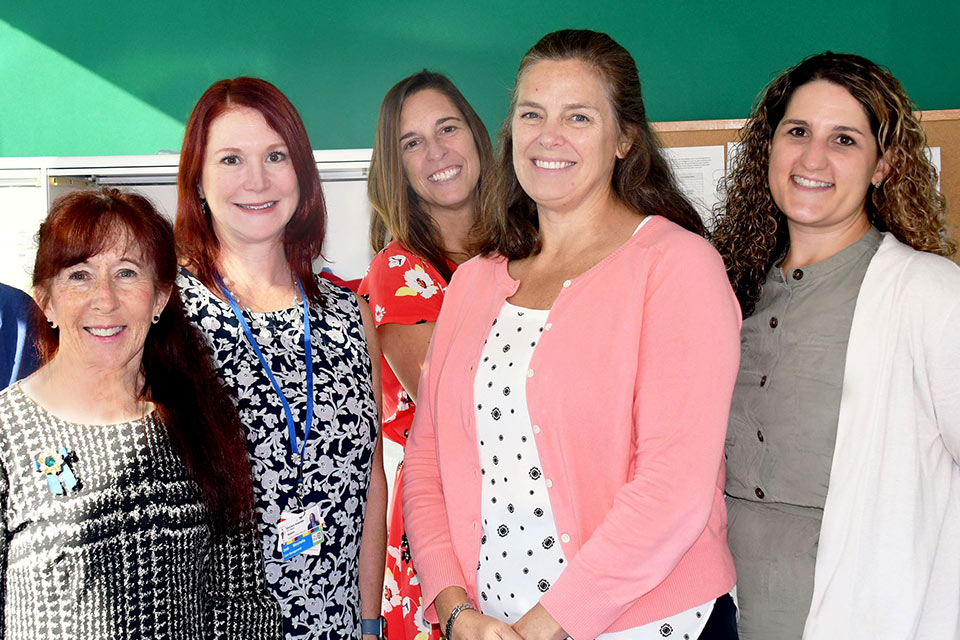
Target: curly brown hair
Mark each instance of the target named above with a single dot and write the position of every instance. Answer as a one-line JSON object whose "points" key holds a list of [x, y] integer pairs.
{"points": [[642, 180], [750, 231]]}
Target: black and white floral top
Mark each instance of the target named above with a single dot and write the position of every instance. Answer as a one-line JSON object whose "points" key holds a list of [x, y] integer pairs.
{"points": [[319, 594]]}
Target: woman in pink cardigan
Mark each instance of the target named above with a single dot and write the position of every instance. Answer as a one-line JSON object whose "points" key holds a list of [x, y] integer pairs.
{"points": [[565, 469]]}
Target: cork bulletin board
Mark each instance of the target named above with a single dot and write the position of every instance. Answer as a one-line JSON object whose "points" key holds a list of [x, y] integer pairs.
{"points": [[942, 129]]}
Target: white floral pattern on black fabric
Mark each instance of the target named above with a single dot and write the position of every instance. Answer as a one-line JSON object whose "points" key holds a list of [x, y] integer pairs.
{"points": [[319, 594], [520, 557]]}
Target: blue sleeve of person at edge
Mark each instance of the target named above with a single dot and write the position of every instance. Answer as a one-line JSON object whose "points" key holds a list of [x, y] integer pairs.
{"points": [[18, 353]]}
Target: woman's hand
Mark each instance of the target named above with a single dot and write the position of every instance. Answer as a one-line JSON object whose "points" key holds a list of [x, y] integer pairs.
{"points": [[473, 625], [470, 624], [538, 624]]}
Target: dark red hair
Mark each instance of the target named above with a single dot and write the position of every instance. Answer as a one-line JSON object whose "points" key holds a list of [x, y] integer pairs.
{"points": [[178, 374], [197, 244]]}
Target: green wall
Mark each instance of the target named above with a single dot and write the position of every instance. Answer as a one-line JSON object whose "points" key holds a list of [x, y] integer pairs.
{"points": [[104, 78]]}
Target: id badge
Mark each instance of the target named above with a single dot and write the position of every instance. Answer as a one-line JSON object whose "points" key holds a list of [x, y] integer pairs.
{"points": [[300, 532]]}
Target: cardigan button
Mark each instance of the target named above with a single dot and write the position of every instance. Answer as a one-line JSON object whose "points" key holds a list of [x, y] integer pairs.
{"points": [[774, 322], [566, 283], [536, 428], [763, 381], [548, 326], [565, 538], [549, 483], [529, 373], [759, 492], [797, 274], [759, 435]]}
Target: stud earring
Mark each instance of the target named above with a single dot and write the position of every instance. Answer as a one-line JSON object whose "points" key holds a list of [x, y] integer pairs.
{"points": [[53, 325], [156, 318]]}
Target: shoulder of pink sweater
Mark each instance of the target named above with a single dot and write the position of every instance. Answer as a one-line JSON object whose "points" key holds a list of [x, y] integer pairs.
{"points": [[478, 269], [674, 246], [687, 260], [670, 236], [481, 263]]}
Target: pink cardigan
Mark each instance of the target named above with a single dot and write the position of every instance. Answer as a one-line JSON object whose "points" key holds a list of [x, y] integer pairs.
{"points": [[629, 394]]}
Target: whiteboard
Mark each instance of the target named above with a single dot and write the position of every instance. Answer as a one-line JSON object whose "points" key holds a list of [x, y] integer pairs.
{"points": [[29, 185], [23, 205]]}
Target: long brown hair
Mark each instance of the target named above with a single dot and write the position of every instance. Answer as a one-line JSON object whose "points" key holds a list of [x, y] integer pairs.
{"points": [[197, 243], [178, 375], [751, 231], [399, 213], [642, 180]]}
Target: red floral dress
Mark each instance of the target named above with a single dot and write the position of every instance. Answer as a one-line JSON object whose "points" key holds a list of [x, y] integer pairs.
{"points": [[401, 288]]}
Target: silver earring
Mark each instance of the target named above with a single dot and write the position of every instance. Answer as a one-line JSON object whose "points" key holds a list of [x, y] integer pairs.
{"points": [[156, 318], [53, 325]]}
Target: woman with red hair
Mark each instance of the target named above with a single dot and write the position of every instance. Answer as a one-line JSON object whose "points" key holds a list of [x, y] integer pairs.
{"points": [[125, 496], [298, 353]]}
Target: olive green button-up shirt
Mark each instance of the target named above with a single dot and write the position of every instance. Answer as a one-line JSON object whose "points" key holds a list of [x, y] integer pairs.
{"points": [[782, 431]]}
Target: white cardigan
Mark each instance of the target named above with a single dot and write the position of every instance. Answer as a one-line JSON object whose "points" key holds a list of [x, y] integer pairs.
{"points": [[888, 564]]}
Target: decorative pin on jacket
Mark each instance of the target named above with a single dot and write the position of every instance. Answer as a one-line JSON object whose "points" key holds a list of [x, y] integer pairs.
{"points": [[53, 464]]}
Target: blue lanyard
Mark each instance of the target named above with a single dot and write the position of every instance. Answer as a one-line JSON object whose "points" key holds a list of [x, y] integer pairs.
{"points": [[296, 454]]}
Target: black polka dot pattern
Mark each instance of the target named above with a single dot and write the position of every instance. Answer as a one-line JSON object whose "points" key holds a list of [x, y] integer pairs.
{"points": [[516, 502], [507, 443]]}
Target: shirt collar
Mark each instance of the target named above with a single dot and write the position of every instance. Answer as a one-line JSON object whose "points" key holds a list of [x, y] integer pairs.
{"points": [[868, 243]]}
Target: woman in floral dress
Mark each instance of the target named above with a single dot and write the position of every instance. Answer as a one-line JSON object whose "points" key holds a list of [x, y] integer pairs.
{"points": [[430, 157]]}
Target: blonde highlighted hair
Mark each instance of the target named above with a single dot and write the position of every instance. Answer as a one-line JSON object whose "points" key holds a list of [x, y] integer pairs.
{"points": [[399, 213]]}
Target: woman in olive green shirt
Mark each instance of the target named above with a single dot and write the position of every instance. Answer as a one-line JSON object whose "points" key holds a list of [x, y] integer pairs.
{"points": [[832, 181]]}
